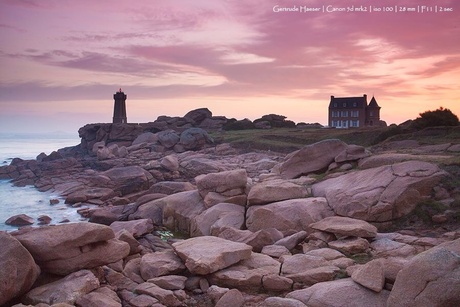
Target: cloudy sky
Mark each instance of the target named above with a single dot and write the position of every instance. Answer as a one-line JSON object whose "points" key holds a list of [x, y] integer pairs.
{"points": [[62, 60]]}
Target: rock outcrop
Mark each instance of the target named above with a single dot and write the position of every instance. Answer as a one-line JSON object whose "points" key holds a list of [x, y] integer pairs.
{"points": [[300, 232], [18, 269], [68, 248], [380, 194], [431, 278], [206, 255]]}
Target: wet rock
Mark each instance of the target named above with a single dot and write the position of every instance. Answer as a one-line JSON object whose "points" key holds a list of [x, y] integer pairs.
{"points": [[44, 220], [20, 220]]}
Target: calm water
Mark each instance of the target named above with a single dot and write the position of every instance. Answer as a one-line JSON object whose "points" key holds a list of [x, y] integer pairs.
{"points": [[27, 200]]}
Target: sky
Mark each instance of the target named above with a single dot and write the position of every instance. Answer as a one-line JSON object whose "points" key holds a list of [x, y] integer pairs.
{"points": [[62, 60]]}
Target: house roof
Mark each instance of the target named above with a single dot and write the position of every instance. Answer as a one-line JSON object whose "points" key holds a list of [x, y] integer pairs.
{"points": [[373, 103], [348, 102]]}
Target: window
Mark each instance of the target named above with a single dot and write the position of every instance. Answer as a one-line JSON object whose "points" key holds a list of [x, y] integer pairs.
{"points": [[344, 104], [354, 113], [335, 113], [344, 124], [334, 123], [371, 113], [335, 105], [344, 113], [354, 123], [355, 104]]}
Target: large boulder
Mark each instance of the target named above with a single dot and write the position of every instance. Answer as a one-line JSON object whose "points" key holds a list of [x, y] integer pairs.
{"points": [[370, 275], [168, 138], [246, 274], [211, 221], [66, 248], [293, 214], [180, 209], [275, 190], [194, 138], [339, 293], [345, 226], [380, 194], [146, 137], [160, 264], [18, 269], [223, 182], [194, 166], [257, 240], [198, 115], [205, 255], [136, 228], [128, 179], [431, 278], [310, 159], [66, 290], [103, 296]]}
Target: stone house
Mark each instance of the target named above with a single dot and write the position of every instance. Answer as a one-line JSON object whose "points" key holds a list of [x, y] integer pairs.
{"points": [[353, 112]]}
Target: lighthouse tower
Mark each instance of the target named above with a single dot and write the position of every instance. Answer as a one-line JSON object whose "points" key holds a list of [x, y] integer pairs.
{"points": [[119, 108]]}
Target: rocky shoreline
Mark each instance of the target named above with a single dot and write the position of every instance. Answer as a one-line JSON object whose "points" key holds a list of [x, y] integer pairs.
{"points": [[321, 226]]}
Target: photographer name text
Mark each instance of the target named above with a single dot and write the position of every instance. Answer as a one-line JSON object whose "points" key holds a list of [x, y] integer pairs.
{"points": [[422, 9]]}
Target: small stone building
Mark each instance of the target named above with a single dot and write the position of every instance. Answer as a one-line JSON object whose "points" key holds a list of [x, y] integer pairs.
{"points": [[353, 112]]}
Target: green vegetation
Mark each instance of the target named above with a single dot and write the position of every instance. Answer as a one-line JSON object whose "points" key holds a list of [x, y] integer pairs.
{"points": [[286, 140], [289, 139], [362, 258], [436, 118]]}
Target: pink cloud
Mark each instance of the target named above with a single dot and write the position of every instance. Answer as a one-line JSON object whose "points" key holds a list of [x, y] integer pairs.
{"points": [[230, 49]]}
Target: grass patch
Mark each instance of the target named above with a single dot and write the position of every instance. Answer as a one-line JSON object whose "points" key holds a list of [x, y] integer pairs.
{"points": [[290, 139], [361, 258]]}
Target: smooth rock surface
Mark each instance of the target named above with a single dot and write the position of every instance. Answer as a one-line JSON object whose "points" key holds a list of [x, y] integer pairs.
{"points": [[380, 194], [293, 214], [205, 255], [65, 290], [18, 270], [431, 278], [344, 226], [339, 293]]}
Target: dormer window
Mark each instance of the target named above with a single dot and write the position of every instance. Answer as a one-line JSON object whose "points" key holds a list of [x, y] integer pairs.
{"points": [[335, 104], [344, 104], [355, 104]]}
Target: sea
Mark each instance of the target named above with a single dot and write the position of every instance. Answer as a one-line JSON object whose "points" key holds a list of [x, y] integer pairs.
{"points": [[28, 200]]}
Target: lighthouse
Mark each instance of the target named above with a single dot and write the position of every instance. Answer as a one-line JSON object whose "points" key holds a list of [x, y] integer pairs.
{"points": [[119, 108]]}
